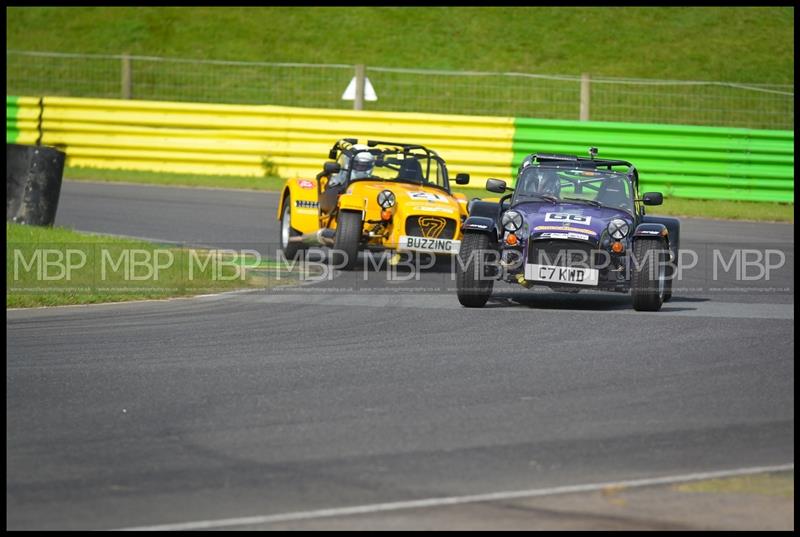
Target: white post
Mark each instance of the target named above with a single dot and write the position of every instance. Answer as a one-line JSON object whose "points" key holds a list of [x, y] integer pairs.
{"points": [[358, 102], [585, 90]]}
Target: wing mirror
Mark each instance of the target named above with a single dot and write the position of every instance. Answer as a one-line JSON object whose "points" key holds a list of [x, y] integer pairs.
{"points": [[497, 186], [462, 179], [331, 167], [652, 198]]}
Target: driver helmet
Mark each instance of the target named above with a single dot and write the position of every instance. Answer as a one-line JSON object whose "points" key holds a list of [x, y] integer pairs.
{"points": [[362, 165], [550, 185]]}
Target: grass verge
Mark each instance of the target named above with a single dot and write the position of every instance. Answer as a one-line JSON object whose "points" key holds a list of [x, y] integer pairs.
{"points": [[726, 210], [719, 209], [174, 179], [58, 266], [779, 484]]}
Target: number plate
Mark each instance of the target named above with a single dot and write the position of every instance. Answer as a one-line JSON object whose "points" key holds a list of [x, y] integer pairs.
{"points": [[571, 275], [422, 244]]}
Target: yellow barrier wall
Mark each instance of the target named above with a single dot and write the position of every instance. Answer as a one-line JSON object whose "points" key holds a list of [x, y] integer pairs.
{"points": [[233, 139]]}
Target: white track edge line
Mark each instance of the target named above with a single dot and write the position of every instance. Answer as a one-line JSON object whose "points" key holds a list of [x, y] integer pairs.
{"points": [[456, 500]]}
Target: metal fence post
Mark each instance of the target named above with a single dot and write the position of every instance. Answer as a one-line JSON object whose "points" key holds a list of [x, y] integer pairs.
{"points": [[358, 103], [127, 79], [585, 90]]}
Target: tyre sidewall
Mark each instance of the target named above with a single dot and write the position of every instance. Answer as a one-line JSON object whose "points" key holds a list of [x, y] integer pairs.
{"points": [[472, 292], [648, 283]]}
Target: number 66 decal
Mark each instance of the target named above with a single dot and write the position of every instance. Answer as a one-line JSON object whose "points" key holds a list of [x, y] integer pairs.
{"points": [[565, 217]]}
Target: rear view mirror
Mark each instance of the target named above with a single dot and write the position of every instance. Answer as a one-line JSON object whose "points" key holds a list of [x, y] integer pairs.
{"points": [[497, 186], [653, 198], [462, 179]]}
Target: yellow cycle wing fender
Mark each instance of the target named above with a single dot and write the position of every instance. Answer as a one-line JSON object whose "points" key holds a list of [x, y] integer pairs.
{"points": [[353, 202], [462, 202], [302, 194]]}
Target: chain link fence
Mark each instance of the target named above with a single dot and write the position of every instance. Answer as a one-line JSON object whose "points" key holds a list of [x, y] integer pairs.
{"points": [[765, 106]]}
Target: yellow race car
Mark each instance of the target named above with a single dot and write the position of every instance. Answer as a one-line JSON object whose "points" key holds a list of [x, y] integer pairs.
{"points": [[378, 195]]}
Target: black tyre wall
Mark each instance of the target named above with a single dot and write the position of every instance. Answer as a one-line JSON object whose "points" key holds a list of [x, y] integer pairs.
{"points": [[33, 183]]}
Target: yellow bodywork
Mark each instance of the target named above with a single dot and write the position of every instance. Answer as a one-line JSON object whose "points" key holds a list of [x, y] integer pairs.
{"points": [[434, 204], [305, 215]]}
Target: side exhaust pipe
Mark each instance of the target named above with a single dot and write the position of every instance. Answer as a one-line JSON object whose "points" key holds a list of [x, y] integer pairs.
{"points": [[321, 237]]}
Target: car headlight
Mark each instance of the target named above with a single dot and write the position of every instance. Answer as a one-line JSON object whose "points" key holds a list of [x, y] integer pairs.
{"points": [[386, 199], [512, 221], [618, 228]]}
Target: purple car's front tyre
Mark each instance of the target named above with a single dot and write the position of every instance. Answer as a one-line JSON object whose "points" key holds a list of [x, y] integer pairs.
{"points": [[472, 287]]}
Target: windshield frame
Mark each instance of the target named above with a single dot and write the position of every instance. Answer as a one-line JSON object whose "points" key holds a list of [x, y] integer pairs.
{"points": [[520, 196]]}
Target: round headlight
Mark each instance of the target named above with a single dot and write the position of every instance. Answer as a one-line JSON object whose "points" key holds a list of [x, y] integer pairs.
{"points": [[386, 199], [512, 221], [618, 228]]}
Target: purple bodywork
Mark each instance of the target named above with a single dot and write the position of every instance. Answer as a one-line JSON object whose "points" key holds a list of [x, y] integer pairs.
{"points": [[583, 221]]}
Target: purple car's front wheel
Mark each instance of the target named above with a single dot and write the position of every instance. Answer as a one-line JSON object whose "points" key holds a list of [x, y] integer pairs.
{"points": [[472, 285]]}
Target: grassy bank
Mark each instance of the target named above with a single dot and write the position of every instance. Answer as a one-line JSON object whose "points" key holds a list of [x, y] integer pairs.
{"points": [[683, 43], [733, 210], [694, 43], [58, 266]]}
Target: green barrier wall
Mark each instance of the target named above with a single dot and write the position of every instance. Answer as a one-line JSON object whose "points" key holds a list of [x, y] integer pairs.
{"points": [[12, 130], [680, 161]]}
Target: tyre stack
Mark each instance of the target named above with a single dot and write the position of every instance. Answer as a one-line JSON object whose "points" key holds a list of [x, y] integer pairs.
{"points": [[33, 183]]}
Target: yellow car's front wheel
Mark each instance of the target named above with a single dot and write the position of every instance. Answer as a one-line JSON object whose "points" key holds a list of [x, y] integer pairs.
{"points": [[290, 248], [348, 235]]}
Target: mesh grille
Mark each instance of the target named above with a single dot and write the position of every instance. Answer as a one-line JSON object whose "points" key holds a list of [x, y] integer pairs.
{"points": [[564, 253], [430, 226]]}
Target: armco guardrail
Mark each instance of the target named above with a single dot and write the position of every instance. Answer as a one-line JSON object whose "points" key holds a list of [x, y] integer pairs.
{"points": [[681, 161]]}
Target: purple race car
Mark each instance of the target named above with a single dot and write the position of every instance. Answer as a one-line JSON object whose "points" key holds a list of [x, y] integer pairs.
{"points": [[570, 223]]}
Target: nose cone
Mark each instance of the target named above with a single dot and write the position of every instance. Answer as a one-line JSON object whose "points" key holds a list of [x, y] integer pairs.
{"points": [[570, 221]]}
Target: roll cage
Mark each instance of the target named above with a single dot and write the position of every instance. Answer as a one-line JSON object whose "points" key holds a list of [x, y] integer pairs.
{"points": [[555, 160], [383, 151]]}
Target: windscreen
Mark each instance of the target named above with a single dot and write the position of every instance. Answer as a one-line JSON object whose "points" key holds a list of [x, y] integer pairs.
{"points": [[399, 166], [607, 188]]}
